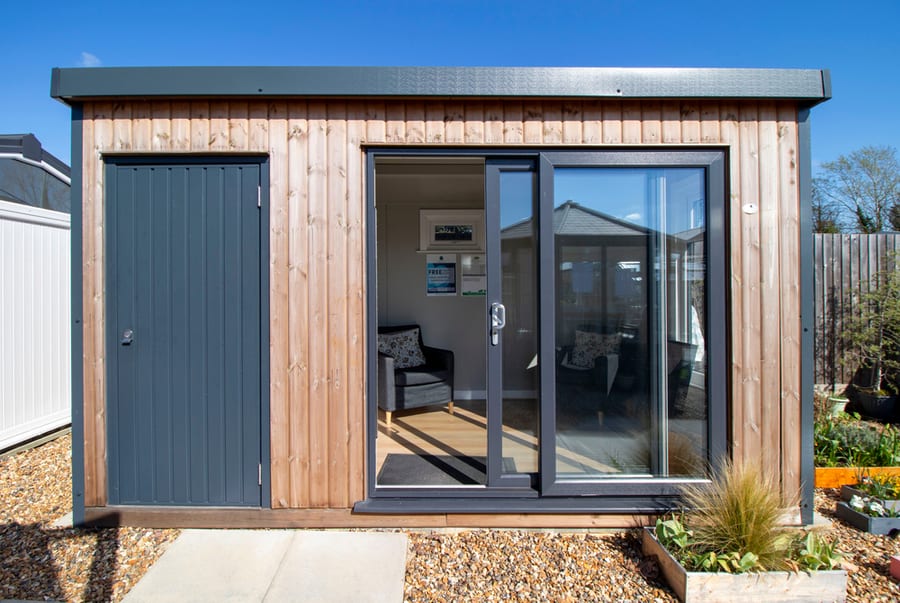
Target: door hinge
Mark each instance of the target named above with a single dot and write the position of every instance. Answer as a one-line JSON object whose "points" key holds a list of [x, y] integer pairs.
{"points": [[259, 475], [258, 196]]}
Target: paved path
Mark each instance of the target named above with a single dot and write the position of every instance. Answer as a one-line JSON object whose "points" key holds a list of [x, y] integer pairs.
{"points": [[277, 565]]}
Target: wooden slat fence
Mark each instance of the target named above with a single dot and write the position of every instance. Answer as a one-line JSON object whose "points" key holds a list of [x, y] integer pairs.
{"points": [[844, 266]]}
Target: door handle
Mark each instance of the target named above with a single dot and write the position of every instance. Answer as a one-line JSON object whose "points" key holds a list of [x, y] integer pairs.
{"points": [[498, 321], [127, 337]]}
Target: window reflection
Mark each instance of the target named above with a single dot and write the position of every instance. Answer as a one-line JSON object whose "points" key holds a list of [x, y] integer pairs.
{"points": [[630, 280]]}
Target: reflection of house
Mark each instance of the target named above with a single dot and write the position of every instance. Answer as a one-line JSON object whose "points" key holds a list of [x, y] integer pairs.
{"points": [[34, 292]]}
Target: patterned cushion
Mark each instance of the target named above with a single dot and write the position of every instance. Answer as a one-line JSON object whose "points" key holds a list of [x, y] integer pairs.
{"points": [[403, 347], [590, 345]]}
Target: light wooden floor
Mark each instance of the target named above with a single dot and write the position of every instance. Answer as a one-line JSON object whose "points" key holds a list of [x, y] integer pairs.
{"points": [[434, 431]]}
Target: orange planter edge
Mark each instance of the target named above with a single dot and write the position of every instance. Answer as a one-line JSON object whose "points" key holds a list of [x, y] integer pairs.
{"points": [[835, 477]]}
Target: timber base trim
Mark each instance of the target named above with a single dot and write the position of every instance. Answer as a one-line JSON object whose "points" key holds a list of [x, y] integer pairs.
{"points": [[192, 517]]}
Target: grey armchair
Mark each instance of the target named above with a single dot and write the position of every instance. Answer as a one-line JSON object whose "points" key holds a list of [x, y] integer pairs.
{"points": [[426, 385]]}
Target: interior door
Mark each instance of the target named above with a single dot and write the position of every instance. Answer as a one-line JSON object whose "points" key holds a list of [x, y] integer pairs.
{"points": [[512, 331], [184, 332]]}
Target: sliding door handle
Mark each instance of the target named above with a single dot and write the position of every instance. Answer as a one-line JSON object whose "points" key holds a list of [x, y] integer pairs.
{"points": [[498, 321]]}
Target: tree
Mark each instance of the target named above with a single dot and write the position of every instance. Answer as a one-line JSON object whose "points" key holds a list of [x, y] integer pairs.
{"points": [[826, 213], [865, 184]]}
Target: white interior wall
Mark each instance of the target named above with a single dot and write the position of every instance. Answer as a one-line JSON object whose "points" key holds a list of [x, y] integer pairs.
{"points": [[456, 323]]}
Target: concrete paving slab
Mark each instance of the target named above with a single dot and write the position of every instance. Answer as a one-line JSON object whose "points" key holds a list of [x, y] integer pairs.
{"points": [[214, 565], [338, 567], [277, 565]]}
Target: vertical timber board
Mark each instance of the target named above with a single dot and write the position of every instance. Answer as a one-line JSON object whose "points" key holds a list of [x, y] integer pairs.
{"points": [[651, 122], [181, 126], [336, 186], [750, 275], [415, 122], [356, 306], [631, 122], [592, 122], [770, 296], [96, 127], [670, 123], [493, 123], [375, 122], [551, 131], [279, 286], [709, 123], [791, 358], [513, 123], [473, 132], [218, 126], [199, 126], [454, 122], [122, 124], [690, 123], [533, 118], [434, 123], [317, 254], [572, 123], [238, 125], [731, 135], [318, 306], [395, 116], [297, 458], [161, 126], [141, 126], [612, 123]]}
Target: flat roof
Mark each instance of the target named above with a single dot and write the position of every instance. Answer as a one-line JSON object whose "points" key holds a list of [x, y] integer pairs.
{"points": [[807, 86]]}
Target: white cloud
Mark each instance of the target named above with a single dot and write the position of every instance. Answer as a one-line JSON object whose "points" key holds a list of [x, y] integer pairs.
{"points": [[633, 217], [88, 60]]}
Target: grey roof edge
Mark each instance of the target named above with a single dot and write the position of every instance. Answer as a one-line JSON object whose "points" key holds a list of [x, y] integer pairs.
{"points": [[29, 147], [807, 86]]}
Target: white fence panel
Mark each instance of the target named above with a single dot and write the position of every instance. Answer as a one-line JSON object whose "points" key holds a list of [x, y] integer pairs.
{"points": [[35, 334]]}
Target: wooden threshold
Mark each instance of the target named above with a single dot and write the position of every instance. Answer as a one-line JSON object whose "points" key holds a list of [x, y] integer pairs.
{"points": [[220, 517]]}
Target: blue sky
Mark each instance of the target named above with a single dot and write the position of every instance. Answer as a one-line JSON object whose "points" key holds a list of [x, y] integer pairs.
{"points": [[858, 41]]}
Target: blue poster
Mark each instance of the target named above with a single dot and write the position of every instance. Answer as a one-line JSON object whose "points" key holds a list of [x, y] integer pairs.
{"points": [[440, 274]]}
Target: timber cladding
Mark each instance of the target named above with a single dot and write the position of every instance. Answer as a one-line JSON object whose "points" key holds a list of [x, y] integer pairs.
{"points": [[317, 258]]}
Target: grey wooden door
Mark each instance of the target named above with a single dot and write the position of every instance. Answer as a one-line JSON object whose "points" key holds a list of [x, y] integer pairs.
{"points": [[183, 283]]}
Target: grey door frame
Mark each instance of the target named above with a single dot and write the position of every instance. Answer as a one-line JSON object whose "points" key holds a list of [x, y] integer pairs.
{"points": [[651, 495], [111, 162]]}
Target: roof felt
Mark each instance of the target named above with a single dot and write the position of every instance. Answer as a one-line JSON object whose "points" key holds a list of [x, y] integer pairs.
{"points": [[807, 86]]}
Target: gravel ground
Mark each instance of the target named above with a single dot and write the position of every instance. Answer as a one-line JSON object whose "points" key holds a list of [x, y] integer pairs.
{"points": [[870, 554], [505, 565], [39, 561]]}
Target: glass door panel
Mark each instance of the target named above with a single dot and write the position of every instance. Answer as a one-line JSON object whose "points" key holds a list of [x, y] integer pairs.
{"points": [[629, 273]]}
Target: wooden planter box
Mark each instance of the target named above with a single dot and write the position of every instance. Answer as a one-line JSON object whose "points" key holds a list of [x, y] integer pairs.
{"points": [[835, 477], [867, 523], [848, 492], [828, 585]]}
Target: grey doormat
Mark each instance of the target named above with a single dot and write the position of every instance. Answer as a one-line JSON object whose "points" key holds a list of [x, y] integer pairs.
{"points": [[436, 470]]}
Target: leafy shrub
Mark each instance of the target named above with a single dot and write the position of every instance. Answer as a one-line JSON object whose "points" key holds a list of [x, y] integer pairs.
{"points": [[884, 487], [846, 441]]}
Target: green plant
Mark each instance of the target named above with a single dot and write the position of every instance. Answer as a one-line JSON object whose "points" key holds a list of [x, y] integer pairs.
{"points": [[847, 441], [815, 553], [871, 507], [740, 511], [807, 552], [872, 336], [884, 487]]}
